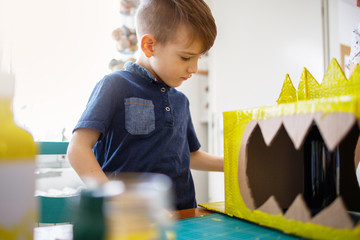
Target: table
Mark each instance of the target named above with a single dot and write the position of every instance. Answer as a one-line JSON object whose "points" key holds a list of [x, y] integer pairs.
{"points": [[195, 223], [192, 212], [64, 231], [220, 226]]}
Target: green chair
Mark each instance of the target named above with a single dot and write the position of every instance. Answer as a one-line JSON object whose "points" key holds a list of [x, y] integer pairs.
{"points": [[53, 210]]}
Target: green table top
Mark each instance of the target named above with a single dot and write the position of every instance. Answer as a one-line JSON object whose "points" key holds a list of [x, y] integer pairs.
{"points": [[220, 226]]}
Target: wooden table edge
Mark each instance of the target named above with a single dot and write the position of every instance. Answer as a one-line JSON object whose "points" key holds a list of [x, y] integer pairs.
{"points": [[191, 212]]}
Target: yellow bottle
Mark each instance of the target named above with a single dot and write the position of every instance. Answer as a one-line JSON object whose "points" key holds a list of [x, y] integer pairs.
{"points": [[17, 166]]}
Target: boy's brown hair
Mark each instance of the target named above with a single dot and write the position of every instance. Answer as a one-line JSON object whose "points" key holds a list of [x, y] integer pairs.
{"points": [[161, 18]]}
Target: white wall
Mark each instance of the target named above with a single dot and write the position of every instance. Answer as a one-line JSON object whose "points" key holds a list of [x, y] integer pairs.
{"points": [[258, 43]]}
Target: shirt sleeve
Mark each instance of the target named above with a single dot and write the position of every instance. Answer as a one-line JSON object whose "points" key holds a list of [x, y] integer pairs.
{"points": [[100, 107]]}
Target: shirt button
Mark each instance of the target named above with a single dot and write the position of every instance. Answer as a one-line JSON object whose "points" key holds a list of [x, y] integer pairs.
{"points": [[163, 89], [167, 109]]}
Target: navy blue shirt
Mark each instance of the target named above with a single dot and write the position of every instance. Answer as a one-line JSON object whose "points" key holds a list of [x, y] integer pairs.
{"points": [[145, 127]]}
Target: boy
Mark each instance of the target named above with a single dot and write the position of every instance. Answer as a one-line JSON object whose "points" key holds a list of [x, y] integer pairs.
{"points": [[135, 120]]}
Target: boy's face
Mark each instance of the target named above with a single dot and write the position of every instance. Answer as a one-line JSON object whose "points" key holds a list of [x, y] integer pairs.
{"points": [[176, 61]]}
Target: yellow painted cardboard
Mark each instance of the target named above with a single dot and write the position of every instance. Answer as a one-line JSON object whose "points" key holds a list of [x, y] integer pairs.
{"points": [[335, 94]]}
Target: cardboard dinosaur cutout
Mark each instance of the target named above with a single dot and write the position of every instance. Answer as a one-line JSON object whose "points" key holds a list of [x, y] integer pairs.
{"points": [[264, 157]]}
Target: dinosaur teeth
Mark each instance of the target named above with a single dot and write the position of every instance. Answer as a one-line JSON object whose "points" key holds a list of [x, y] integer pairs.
{"points": [[270, 128], [335, 215], [297, 127], [271, 206], [274, 149], [339, 125], [298, 210]]}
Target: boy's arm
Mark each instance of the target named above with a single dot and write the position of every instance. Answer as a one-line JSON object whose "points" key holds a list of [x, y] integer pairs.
{"points": [[81, 155], [200, 160]]}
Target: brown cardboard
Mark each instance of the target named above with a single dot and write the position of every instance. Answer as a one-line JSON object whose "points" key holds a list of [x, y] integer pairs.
{"points": [[271, 206], [271, 166], [270, 128], [297, 126], [335, 215], [334, 127], [243, 179], [349, 188], [298, 210], [357, 154], [272, 176]]}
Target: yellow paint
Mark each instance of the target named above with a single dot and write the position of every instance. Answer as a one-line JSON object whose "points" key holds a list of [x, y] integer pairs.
{"points": [[334, 94]]}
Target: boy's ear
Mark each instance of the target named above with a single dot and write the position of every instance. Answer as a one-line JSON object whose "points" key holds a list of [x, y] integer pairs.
{"points": [[148, 45]]}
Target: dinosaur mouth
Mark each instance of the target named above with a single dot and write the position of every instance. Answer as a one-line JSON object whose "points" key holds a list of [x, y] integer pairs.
{"points": [[271, 166]]}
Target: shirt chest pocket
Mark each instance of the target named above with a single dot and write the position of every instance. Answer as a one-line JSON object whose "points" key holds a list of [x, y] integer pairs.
{"points": [[139, 116]]}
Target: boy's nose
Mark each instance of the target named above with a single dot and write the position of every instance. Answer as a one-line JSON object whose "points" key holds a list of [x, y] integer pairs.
{"points": [[193, 68]]}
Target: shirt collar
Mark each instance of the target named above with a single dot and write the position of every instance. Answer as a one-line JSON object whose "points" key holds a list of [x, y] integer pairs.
{"points": [[139, 70]]}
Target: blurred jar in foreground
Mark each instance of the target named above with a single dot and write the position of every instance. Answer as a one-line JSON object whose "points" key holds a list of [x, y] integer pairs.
{"points": [[89, 221], [141, 209], [17, 165]]}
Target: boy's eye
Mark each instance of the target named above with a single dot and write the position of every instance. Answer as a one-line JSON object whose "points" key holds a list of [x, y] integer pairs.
{"points": [[185, 58]]}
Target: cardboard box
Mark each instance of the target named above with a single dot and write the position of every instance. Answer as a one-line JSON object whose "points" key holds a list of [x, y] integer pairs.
{"points": [[264, 157]]}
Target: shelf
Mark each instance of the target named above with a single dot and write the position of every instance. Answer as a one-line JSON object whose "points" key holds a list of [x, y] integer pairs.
{"points": [[203, 72]]}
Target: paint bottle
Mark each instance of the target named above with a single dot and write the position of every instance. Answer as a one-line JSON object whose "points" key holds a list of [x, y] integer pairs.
{"points": [[17, 166], [321, 172]]}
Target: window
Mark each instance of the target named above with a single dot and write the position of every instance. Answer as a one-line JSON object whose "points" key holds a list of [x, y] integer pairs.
{"points": [[59, 50]]}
